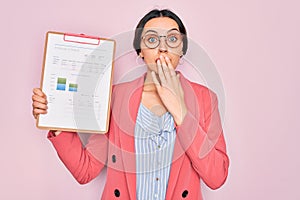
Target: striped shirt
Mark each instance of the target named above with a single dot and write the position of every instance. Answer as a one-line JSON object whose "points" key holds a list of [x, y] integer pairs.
{"points": [[154, 145]]}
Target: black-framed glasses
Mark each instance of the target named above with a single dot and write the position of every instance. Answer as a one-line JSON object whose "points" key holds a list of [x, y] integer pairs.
{"points": [[152, 40]]}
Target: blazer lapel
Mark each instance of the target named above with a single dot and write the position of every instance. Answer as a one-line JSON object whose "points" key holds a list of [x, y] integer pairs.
{"points": [[177, 159], [130, 104]]}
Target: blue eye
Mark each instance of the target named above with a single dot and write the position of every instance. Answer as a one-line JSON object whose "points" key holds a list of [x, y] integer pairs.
{"points": [[152, 39], [172, 38]]}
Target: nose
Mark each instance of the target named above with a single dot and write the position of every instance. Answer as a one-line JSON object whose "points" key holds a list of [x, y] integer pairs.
{"points": [[162, 45]]}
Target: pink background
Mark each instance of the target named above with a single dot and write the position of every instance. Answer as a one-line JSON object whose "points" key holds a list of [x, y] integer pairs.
{"points": [[254, 44]]}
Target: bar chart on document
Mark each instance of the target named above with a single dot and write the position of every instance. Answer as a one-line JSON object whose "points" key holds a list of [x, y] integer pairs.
{"points": [[77, 82]]}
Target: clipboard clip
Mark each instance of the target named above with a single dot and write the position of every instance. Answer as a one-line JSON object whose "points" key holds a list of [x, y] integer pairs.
{"points": [[81, 38]]}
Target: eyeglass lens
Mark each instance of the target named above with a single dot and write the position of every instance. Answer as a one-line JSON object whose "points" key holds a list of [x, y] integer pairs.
{"points": [[172, 40]]}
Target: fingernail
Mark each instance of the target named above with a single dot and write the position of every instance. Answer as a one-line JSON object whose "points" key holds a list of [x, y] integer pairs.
{"points": [[167, 58]]}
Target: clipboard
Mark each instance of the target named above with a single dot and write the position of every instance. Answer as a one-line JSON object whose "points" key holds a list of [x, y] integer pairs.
{"points": [[77, 79]]}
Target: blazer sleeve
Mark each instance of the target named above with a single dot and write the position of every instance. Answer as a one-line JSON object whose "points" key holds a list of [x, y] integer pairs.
{"points": [[84, 163], [202, 139]]}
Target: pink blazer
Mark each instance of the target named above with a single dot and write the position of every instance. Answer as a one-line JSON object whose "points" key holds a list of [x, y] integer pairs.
{"points": [[199, 151]]}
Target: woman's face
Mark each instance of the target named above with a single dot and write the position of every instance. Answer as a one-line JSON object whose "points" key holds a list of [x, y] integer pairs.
{"points": [[161, 36]]}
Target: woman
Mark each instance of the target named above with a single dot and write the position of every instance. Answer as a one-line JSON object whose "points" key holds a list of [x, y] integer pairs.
{"points": [[165, 132]]}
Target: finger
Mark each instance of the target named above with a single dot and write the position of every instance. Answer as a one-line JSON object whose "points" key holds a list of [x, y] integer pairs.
{"points": [[179, 84], [39, 105], [171, 68], [39, 92], [155, 80], [165, 69], [160, 72], [39, 99], [34, 115], [172, 72], [37, 112]]}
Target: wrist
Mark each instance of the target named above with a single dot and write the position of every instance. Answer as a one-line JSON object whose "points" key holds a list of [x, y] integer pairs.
{"points": [[180, 117], [54, 133]]}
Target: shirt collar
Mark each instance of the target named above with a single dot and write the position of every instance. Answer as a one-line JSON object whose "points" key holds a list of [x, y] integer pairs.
{"points": [[154, 125]]}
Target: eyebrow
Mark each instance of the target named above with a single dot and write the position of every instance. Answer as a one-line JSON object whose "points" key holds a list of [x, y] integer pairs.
{"points": [[173, 29]]}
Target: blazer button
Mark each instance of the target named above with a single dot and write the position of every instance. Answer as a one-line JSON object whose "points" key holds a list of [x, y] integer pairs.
{"points": [[117, 193], [185, 193], [114, 159]]}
